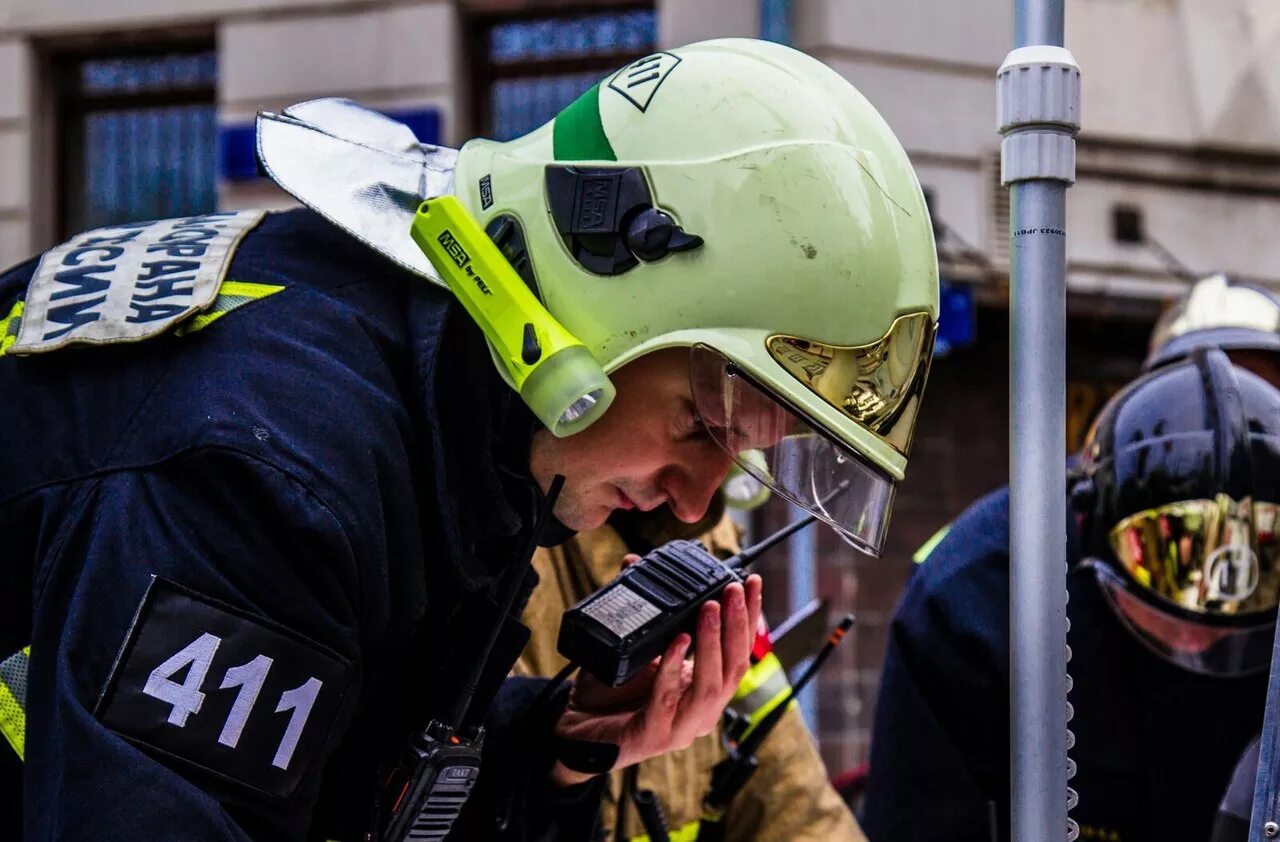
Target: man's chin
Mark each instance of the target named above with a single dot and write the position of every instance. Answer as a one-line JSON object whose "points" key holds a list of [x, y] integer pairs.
{"points": [[584, 519]]}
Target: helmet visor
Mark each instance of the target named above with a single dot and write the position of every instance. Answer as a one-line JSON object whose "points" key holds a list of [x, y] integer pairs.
{"points": [[742, 490], [1217, 557], [779, 447], [1192, 645]]}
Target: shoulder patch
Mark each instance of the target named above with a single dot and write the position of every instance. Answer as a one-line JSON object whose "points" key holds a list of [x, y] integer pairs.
{"points": [[640, 80], [228, 692], [129, 282]]}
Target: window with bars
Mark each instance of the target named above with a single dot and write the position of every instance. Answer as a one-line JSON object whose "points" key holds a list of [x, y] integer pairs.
{"points": [[528, 67], [137, 135]]}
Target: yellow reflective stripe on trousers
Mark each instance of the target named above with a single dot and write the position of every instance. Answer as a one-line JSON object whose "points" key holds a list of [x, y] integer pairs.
{"points": [[688, 833], [231, 295], [761, 690], [10, 325], [13, 699], [928, 546]]}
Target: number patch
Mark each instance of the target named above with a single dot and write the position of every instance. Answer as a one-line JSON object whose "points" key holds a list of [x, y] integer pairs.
{"points": [[229, 692]]}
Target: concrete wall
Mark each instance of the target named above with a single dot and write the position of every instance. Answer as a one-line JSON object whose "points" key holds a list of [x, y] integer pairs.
{"points": [[683, 22], [392, 57], [396, 55], [61, 17], [1172, 95], [17, 124]]}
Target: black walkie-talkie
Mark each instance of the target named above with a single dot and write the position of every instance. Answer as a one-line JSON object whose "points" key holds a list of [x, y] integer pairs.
{"points": [[429, 783], [620, 628]]}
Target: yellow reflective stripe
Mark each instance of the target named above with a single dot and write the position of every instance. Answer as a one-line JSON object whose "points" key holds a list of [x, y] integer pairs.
{"points": [[13, 693], [761, 690], [9, 327], [231, 294], [928, 546], [688, 833]]}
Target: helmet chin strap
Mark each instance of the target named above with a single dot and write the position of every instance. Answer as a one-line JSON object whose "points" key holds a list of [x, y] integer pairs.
{"points": [[364, 172]]}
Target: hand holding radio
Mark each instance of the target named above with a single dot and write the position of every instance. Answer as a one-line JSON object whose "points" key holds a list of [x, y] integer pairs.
{"points": [[673, 700]]}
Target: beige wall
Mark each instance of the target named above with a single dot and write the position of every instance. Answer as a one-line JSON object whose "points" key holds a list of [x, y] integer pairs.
{"points": [[1163, 78], [56, 17], [1166, 81], [391, 56], [686, 21], [17, 120], [970, 34]]}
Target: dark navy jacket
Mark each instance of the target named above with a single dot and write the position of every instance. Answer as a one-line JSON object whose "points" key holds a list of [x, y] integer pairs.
{"points": [[1155, 744], [1232, 822], [340, 464]]}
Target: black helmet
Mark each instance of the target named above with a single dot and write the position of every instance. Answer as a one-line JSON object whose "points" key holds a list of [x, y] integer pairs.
{"points": [[1178, 485], [1217, 312]]}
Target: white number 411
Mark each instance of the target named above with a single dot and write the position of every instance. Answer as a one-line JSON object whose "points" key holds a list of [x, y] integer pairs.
{"points": [[187, 699]]}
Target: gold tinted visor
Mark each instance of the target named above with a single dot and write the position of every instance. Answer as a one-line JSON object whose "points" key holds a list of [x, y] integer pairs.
{"points": [[1212, 557], [877, 385]]}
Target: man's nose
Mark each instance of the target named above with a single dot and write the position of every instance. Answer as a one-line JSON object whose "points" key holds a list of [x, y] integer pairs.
{"points": [[695, 482]]}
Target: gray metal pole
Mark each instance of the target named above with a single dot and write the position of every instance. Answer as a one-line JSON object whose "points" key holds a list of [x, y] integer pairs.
{"points": [[1264, 824], [1039, 115]]}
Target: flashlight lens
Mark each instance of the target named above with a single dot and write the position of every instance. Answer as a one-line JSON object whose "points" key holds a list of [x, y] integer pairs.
{"points": [[580, 407]]}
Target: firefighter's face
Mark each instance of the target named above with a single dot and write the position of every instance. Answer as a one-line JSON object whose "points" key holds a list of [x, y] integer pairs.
{"points": [[649, 448]]}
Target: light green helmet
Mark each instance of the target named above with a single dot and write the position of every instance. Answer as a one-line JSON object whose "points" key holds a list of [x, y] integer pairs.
{"points": [[740, 198]]}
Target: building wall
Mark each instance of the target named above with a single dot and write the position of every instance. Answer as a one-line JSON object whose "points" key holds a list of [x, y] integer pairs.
{"points": [[392, 57], [17, 132], [1172, 97]]}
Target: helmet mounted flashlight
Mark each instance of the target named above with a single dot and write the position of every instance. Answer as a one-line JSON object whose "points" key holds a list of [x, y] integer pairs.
{"points": [[555, 374]]}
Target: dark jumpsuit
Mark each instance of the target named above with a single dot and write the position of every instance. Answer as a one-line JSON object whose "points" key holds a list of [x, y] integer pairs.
{"points": [[315, 494]]}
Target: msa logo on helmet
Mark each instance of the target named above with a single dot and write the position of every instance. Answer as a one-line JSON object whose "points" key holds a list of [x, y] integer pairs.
{"points": [[640, 80], [597, 203]]}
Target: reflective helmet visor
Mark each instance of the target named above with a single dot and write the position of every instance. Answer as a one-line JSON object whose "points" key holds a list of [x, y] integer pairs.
{"points": [[1217, 558], [781, 448], [1198, 647]]}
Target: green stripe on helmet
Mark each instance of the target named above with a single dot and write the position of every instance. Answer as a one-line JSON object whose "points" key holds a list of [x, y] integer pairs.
{"points": [[578, 134]]}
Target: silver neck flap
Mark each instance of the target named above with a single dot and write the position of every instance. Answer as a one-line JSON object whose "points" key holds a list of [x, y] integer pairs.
{"points": [[362, 171]]}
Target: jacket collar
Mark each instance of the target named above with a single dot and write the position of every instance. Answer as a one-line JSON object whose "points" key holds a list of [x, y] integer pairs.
{"points": [[480, 501]]}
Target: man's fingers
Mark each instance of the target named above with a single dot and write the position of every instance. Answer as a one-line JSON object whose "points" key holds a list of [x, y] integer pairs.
{"points": [[629, 559], [755, 601], [738, 638], [665, 697], [708, 659]]}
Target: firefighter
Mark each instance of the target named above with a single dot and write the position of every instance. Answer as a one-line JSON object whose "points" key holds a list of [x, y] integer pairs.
{"points": [[940, 745], [267, 493], [1231, 824], [789, 797]]}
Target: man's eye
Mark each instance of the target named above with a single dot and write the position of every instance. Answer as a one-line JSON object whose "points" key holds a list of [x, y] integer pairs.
{"points": [[694, 428]]}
